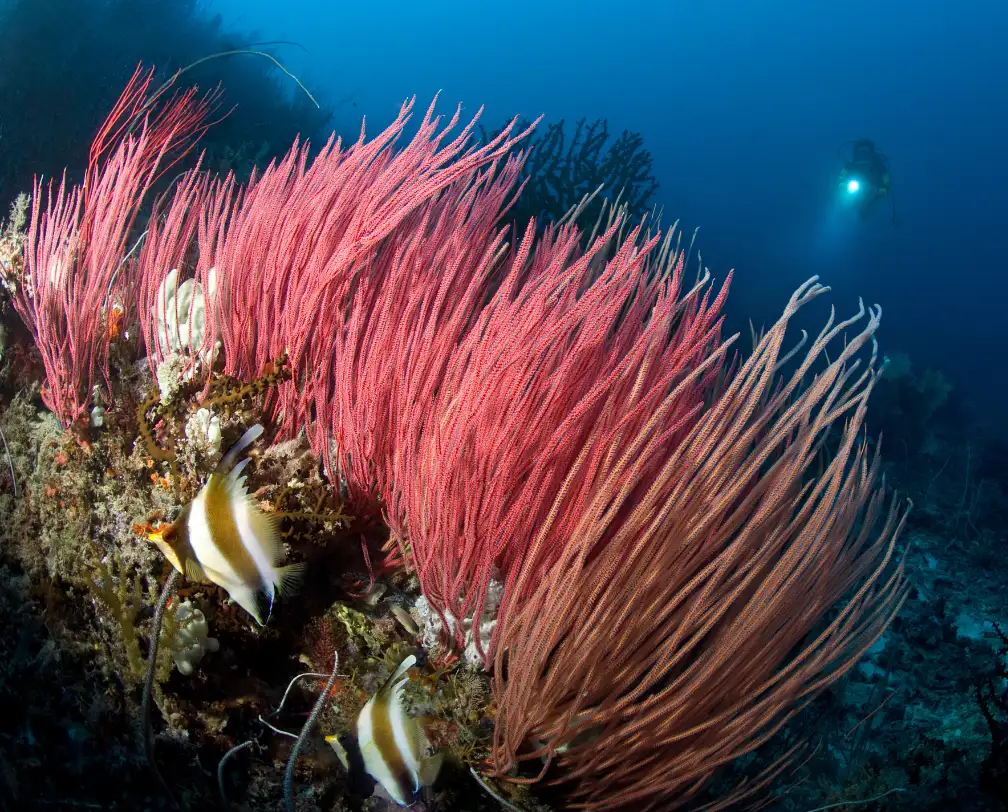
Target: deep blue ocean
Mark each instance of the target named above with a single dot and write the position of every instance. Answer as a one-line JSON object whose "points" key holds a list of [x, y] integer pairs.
{"points": [[745, 107]]}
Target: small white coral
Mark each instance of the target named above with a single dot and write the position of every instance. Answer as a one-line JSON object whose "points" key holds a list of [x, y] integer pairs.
{"points": [[98, 410], [170, 373], [180, 312], [180, 318], [203, 430], [191, 640], [435, 630]]}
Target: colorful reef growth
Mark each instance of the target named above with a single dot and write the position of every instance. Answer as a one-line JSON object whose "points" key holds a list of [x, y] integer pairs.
{"points": [[657, 549]]}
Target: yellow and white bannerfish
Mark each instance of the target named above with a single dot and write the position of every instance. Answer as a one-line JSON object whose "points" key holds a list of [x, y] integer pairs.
{"points": [[222, 536], [388, 746]]}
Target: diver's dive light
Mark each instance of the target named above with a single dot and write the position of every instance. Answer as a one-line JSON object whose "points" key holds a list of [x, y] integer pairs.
{"points": [[863, 178], [853, 188]]}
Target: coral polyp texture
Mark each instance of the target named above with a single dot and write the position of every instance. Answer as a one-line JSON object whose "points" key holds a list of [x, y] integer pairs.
{"points": [[618, 554]]}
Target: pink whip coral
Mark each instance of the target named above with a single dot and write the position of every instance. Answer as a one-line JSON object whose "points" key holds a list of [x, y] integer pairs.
{"points": [[573, 354], [684, 620], [411, 305], [314, 260], [75, 282]]}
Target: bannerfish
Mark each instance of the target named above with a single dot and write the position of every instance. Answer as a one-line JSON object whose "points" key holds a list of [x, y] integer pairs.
{"points": [[387, 746], [222, 536]]}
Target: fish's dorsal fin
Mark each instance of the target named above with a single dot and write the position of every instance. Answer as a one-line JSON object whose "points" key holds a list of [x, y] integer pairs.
{"points": [[289, 579], [416, 739], [252, 433], [429, 769], [390, 687], [262, 525], [235, 479]]}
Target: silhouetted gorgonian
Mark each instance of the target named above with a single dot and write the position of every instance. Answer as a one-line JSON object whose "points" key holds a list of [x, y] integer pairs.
{"points": [[560, 172], [992, 697]]}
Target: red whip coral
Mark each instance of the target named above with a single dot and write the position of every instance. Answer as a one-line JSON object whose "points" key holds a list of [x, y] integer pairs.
{"points": [[575, 352], [315, 259], [75, 283], [684, 620]]}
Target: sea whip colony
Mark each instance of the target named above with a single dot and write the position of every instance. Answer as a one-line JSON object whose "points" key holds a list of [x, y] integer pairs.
{"points": [[555, 414]]}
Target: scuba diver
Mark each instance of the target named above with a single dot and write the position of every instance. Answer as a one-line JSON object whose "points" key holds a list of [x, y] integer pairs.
{"points": [[864, 178]]}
